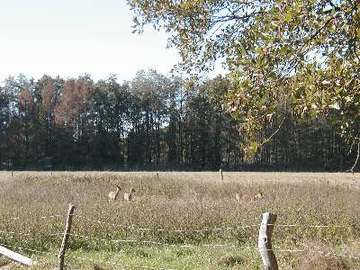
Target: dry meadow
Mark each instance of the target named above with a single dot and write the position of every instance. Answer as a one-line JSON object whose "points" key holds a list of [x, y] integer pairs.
{"points": [[182, 220]]}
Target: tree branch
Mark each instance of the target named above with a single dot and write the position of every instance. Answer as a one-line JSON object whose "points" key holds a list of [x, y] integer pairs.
{"points": [[274, 133], [357, 159], [227, 18]]}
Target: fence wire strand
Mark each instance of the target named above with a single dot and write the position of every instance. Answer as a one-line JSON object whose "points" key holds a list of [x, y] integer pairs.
{"points": [[52, 235], [41, 217], [147, 242], [133, 227], [117, 264]]}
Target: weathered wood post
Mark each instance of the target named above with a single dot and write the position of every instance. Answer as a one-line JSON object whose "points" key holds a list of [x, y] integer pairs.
{"points": [[221, 174], [264, 241], [64, 243]]}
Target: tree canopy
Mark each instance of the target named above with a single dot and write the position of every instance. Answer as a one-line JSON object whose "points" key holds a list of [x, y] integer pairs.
{"points": [[286, 59]]}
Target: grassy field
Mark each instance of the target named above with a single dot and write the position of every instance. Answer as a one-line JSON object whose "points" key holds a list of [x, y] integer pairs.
{"points": [[182, 220]]}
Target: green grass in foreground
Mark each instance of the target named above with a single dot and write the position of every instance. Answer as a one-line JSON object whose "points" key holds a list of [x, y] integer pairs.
{"points": [[172, 258], [157, 258]]}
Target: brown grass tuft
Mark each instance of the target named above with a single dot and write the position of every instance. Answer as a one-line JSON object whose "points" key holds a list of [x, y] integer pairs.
{"points": [[321, 257], [231, 261]]}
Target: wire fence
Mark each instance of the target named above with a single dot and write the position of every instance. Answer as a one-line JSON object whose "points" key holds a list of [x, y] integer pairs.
{"points": [[212, 229], [56, 235]]}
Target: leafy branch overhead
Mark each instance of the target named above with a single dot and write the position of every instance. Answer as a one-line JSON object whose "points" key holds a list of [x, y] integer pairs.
{"points": [[286, 58]]}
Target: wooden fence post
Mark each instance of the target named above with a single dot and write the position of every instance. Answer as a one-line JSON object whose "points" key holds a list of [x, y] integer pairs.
{"points": [[264, 241], [64, 243]]}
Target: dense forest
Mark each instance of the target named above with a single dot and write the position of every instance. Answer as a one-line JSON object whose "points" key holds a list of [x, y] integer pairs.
{"points": [[152, 122]]}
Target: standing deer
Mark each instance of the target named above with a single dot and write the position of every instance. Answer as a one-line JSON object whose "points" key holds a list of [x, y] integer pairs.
{"points": [[114, 194], [128, 196]]}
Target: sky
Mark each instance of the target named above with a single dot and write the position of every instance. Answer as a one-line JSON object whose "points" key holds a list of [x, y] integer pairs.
{"points": [[73, 37]]}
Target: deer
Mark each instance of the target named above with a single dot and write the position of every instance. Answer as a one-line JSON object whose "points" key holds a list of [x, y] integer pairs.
{"points": [[114, 194], [259, 196], [237, 197], [249, 197], [128, 196]]}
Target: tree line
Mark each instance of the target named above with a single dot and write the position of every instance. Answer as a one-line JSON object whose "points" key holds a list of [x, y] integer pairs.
{"points": [[152, 122]]}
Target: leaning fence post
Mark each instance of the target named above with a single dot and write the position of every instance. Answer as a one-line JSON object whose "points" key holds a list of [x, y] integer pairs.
{"points": [[264, 241], [64, 243]]}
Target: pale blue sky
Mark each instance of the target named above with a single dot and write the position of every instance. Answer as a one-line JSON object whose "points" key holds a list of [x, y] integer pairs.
{"points": [[72, 37]]}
